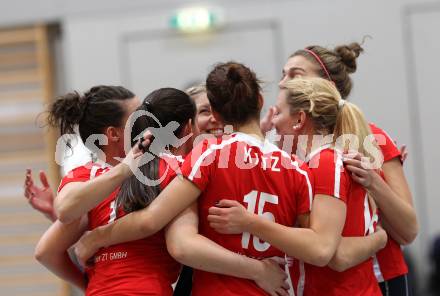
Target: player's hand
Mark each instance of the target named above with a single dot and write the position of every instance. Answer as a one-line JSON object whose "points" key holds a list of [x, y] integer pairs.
{"points": [[40, 198], [86, 248], [382, 236], [271, 277], [360, 174], [403, 153], [138, 155], [229, 217], [266, 122]]}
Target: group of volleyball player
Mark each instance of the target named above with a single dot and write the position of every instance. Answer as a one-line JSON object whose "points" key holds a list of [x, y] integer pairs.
{"points": [[306, 215]]}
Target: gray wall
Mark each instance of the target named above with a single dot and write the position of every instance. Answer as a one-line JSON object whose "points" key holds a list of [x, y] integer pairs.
{"points": [[129, 42]]}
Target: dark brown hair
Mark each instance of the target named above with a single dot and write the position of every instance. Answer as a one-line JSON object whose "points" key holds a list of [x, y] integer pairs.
{"points": [[98, 108], [166, 104], [340, 63], [234, 92]]}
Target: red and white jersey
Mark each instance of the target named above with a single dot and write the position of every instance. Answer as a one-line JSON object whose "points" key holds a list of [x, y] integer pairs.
{"points": [[389, 262], [386, 144], [266, 180], [330, 178], [142, 267]]}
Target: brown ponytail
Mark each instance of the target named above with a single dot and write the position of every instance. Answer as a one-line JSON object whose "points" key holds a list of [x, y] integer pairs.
{"points": [[98, 108], [66, 112], [233, 91]]}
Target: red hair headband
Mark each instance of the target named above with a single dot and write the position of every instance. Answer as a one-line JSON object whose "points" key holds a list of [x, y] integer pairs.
{"points": [[320, 62]]}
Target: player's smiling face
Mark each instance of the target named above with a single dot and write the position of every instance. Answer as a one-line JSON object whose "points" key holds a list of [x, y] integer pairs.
{"points": [[205, 121]]}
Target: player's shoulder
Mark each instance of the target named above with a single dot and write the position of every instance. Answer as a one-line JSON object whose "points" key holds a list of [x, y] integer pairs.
{"points": [[300, 163], [330, 154], [325, 160], [79, 174], [208, 143], [81, 170], [91, 169], [376, 130], [326, 155]]}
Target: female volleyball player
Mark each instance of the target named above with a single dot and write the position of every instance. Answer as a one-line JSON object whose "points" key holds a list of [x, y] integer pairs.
{"points": [[314, 107], [391, 193], [91, 113]]}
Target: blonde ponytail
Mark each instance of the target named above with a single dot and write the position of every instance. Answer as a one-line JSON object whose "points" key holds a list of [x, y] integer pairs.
{"points": [[351, 121]]}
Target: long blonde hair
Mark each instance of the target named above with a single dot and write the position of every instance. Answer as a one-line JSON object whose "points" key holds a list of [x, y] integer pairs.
{"points": [[330, 114]]}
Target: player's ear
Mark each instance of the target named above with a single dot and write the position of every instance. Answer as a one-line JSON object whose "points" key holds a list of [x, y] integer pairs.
{"points": [[260, 101], [113, 134], [300, 121]]}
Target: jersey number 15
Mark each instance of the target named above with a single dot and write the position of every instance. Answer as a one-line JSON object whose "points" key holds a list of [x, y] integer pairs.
{"points": [[251, 200]]}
